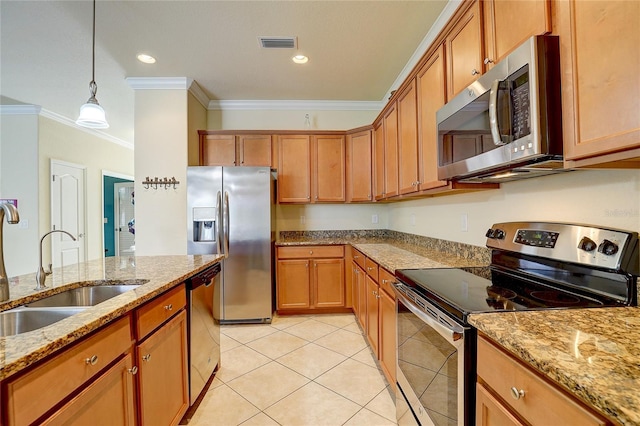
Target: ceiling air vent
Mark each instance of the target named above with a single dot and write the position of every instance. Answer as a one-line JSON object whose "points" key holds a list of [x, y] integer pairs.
{"points": [[277, 42]]}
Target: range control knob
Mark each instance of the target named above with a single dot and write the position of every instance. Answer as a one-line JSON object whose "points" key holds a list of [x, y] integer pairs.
{"points": [[608, 248], [587, 244], [499, 234], [489, 233]]}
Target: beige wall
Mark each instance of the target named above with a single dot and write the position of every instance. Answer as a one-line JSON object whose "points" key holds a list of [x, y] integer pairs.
{"points": [[161, 150], [197, 120], [288, 119]]}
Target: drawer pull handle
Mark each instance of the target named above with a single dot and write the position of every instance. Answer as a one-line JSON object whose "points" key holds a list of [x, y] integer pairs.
{"points": [[517, 394], [93, 360], [133, 370], [146, 357], [168, 307]]}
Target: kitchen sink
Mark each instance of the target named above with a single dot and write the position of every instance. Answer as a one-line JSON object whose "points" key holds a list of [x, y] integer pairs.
{"points": [[21, 320], [84, 296]]}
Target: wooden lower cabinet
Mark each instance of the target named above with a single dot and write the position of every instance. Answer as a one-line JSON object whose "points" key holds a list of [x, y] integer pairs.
{"points": [[537, 401], [310, 278], [162, 375], [373, 302], [387, 339], [109, 400]]}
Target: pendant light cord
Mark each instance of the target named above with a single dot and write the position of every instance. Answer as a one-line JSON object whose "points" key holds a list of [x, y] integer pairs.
{"points": [[93, 47]]}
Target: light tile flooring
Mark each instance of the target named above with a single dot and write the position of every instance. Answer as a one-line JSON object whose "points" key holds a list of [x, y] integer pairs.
{"points": [[296, 371]]}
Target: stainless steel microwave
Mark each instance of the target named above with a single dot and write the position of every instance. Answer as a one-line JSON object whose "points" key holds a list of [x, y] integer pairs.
{"points": [[507, 125]]}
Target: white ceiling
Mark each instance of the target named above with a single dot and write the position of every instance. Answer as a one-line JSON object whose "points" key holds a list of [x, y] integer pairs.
{"points": [[357, 50]]}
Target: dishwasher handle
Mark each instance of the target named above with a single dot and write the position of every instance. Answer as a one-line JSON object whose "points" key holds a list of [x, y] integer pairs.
{"points": [[204, 278]]}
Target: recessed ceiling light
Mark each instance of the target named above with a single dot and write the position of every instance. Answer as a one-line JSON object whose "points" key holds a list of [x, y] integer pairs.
{"points": [[300, 59], [147, 59]]}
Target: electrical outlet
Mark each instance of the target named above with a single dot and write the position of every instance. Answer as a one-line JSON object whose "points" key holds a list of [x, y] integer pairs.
{"points": [[23, 224], [303, 220], [464, 223], [412, 219], [374, 218]]}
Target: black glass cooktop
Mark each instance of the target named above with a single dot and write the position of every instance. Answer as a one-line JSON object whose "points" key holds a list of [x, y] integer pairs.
{"points": [[462, 291]]}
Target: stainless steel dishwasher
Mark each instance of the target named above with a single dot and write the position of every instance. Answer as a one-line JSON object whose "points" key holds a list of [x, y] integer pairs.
{"points": [[203, 330]]}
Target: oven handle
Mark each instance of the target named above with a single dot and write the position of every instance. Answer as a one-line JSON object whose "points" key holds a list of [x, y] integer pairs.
{"points": [[450, 332]]}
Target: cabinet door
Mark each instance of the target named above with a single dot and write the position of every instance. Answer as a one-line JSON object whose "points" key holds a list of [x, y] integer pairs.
{"points": [[408, 140], [328, 283], [362, 297], [218, 150], [391, 152], [162, 375], [294, 169], [489, 411], [388, 335], [373, 300], [109, 400], [254, 150], [600, 63], [329, 168], [464, 51], [508, 24], [378, 170], [359, 165], [431, 97], [293, 284], [354, 289]]}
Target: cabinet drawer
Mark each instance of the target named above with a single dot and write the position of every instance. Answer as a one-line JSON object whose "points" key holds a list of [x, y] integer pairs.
{"points": [[386, 280], [152, 314], [541, 402], [371, 268], [359, 258], [310, 252], [36, 392]]}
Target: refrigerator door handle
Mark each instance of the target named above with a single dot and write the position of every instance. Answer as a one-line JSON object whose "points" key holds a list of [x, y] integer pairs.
{"points": [[226, 224], [219, 224]]}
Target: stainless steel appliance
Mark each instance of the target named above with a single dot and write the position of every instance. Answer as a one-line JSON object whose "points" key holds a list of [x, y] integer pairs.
{"points": [[507, 124], [203, 330], [534, 265], [230, 211]]}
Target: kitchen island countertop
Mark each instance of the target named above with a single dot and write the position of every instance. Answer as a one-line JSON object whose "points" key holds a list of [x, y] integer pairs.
{"points": [[160, 273], [592, 353]]}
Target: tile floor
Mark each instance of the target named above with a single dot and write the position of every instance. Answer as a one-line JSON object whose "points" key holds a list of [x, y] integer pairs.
{"points": [[296, 371]]}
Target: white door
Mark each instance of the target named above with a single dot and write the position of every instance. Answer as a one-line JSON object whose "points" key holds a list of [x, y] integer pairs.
{"points": [[124, 215], [67, 213]]}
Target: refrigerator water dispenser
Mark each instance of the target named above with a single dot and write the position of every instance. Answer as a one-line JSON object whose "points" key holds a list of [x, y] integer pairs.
{"points": [[204, 224]]}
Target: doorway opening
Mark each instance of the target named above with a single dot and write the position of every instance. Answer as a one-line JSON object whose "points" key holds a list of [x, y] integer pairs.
{"points": [[118, 205]]}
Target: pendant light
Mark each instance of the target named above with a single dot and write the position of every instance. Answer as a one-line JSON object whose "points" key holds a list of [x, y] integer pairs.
{"points": [[91, 114]]}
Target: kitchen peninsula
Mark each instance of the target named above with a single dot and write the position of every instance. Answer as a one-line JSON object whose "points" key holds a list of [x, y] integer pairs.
{"points": [[151, 313]]}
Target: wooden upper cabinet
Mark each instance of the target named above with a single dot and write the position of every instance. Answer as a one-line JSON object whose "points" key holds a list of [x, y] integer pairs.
{"points": [[359, 167], [391, 152], [431, 97], [328, 168], [254, 150], [508, 24], [378, 155], [408, 140], [600, 65], [464, 51], [235, 150], [294, 169], [218, 150]]}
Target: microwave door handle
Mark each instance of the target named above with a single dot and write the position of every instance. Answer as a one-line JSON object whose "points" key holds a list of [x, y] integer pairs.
{"points": [[493, 113]]}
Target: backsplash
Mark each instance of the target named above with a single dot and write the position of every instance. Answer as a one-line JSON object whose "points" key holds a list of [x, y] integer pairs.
{"points": [[417, 243]]}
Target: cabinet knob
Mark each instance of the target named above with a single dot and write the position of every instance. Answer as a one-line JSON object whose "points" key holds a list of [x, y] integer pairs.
{"points": [[475, 72], [146, 357], [488, 61], [310, 251], [168, 307], [133, 370], [517, 394], [91, 361]]}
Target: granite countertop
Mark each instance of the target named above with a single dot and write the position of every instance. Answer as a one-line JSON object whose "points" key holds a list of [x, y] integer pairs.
{"points": [[162, 272], [592, 353]]}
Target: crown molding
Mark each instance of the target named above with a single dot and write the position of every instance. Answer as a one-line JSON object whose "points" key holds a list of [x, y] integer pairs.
{"points": [[159, 83], [295, 105], [199, 94], [71, 123], [23, 109]]}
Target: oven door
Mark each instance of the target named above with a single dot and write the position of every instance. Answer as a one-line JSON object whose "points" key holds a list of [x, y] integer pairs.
{"points": [[433, 363]]}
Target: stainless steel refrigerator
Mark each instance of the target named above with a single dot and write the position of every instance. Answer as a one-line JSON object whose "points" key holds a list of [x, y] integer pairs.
{"points": [[231, 211]]}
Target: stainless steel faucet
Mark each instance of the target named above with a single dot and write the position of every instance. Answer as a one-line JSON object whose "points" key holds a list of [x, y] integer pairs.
{"points": [[41, 274], [12, 217]]}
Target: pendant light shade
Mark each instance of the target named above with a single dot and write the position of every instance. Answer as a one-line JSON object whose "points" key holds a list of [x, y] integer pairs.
{"points": [[91, 114]]}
